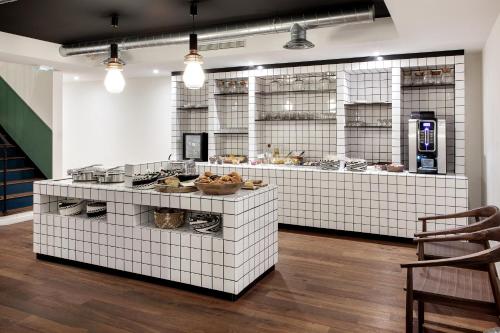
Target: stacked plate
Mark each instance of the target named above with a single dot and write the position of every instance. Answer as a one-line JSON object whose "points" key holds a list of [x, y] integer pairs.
{"points": [[356, 165], [145, 181], [70, 207], [96, 209], [329, 164], [205, 223]]}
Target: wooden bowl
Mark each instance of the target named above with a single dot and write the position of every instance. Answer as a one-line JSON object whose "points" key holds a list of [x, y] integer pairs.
{"points": [[219, 189], [395, 168], [169, 189]]}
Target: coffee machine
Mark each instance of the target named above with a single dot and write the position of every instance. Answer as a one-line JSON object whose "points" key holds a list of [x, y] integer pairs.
{"points": [[426, 143]]}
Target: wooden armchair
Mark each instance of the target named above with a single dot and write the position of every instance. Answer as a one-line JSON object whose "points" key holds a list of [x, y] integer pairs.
{"points": [[454, 281], [486, 217]]}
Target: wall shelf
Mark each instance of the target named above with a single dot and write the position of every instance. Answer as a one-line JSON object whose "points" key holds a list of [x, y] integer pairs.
{"points": [[231, 94], [313, 119], [319, 91], [353, 103], [431, 85], [368, 126], [200, 108]]}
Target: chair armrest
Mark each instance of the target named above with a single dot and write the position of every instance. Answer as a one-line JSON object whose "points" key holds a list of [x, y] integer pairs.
{"points": [[460, 230], [473, 236], [476, 259], [470, 213]]}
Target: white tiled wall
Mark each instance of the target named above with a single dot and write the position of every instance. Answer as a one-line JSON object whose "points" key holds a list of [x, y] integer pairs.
{"points": [[127, 240], [371, 81]]}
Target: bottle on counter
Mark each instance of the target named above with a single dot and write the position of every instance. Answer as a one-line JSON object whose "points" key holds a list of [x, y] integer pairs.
{"points": [[268, 154], [276, 152]]}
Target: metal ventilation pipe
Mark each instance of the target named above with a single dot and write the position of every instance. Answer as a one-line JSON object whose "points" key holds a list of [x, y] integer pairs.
{"points": [[235, 31]]}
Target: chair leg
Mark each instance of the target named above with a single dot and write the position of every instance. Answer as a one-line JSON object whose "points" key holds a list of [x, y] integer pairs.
{"points": [[409, 301], [421, 316]]}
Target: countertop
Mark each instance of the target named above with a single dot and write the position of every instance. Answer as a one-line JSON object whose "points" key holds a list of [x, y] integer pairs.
{"points": [[317, 169]]}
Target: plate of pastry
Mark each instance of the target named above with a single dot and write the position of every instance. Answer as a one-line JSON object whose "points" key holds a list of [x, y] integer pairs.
{"points": [[211, 184]]}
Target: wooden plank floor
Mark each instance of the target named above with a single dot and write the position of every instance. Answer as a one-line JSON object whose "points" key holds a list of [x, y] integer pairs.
{"points": [[321, 284]]}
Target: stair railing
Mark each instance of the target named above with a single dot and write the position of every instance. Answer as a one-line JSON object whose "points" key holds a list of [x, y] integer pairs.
{"points": [[4, 176]]}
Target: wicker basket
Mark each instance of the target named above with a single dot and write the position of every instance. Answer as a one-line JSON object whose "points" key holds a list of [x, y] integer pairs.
{"points": [[167, 218], [219, 189]]}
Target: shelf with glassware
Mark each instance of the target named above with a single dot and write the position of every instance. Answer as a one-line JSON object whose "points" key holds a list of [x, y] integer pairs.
{"points": [[427, 77], [230, 129], [301, 97]]}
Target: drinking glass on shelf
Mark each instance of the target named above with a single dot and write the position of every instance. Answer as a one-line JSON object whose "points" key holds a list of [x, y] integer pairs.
{"points": [[232, 86], [298, 83], [427, 78], [324, 83], [275, 85]]}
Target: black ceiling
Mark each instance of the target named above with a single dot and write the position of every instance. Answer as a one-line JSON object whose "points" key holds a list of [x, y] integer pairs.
{"points": [[69, 21]]}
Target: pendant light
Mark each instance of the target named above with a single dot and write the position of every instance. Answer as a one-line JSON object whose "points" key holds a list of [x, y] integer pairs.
{"points": [[114, 80], [193, 76]]}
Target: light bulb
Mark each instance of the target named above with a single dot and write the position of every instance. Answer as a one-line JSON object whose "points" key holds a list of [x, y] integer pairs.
{"points": [[193, 76], [114, 81]]}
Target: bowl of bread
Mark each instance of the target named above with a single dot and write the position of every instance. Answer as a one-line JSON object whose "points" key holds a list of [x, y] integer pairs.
{"points": [[211, 184]]}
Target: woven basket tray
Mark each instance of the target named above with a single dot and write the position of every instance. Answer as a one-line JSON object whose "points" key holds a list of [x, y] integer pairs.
{"points": [[169, 189], [168, 218]]}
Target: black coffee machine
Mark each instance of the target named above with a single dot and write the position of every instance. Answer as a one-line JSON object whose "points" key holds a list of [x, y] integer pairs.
{"points": [[426, 143]]}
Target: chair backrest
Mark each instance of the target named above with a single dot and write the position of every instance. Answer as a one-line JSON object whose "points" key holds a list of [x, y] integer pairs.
{"points": [[484, 212], [490, 219]]}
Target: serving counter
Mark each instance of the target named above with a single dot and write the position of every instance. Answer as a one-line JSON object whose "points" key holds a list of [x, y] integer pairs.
{"points": [[374, 202], [126, 239]]}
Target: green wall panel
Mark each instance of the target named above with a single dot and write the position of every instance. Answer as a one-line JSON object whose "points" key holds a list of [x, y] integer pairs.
{"points": [[24, 126]]}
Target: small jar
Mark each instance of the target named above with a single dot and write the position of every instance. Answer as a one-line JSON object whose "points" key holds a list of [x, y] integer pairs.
{"points": [[418, 77], [436, 76], [407, 79], [447, 75]]}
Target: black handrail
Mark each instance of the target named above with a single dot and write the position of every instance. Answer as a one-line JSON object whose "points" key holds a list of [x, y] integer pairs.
{"points": [[4, 207]]}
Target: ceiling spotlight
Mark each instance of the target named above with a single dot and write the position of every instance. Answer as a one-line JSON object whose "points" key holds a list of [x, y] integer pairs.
{"points": [[380, 58], [76, 78], [156, 71], [260, 67], [298, 40], [193, 76], [114, 81]]}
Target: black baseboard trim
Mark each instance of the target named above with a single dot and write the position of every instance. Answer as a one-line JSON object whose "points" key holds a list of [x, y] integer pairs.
{"points": [[344, 233], [151, 279], [335, 61]]}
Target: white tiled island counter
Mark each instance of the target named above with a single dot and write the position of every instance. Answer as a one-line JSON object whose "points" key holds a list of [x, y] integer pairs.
{"points": [[127, 240], [373, 202]]}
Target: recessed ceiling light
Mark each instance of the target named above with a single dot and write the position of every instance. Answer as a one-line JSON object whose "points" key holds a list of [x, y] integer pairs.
{"points": [[260, 67], [379, 58], [76, 78], [45, 68], [156, 71]]}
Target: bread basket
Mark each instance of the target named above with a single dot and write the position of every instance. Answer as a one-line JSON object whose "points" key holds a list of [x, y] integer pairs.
{"points": [[218, 189], [168, 218]]}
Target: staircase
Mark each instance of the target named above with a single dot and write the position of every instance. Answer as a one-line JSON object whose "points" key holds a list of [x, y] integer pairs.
{"points": [[17, 174]]}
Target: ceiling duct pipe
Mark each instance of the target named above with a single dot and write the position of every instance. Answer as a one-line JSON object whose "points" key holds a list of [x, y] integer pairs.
{"points": [[261, 27]]}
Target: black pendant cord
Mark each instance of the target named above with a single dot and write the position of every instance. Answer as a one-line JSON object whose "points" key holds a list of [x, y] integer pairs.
{"points": [[114, 45], [193, 37]]}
